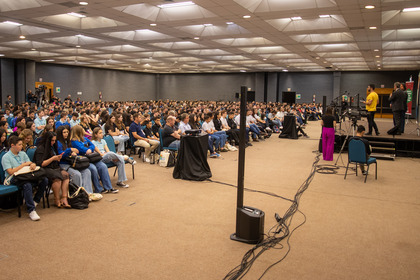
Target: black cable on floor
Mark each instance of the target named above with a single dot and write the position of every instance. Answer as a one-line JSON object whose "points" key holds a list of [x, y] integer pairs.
{"points": [[276, 234], [251, 190]]}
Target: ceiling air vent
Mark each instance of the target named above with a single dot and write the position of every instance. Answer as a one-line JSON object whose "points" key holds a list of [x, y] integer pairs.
{"points": [[357, 28]]}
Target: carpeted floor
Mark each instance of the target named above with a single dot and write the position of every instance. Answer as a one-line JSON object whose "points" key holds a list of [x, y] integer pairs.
{"points": [[161, 228]]}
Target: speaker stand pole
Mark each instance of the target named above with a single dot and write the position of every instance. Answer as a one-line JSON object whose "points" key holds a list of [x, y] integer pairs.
{"points": [[249, 220]]}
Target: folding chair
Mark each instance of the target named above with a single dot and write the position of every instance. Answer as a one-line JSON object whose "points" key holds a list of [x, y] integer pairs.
{"points": [[357, 154]]}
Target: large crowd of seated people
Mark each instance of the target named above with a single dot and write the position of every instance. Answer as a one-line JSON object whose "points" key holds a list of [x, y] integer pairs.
{"points": [[62, 130]]}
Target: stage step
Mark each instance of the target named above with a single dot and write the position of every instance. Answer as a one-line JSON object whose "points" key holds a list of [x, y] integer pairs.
{"points": [[383, 156], [383, 150]]}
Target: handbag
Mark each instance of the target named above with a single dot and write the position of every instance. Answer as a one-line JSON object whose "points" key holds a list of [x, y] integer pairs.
{"points": [[78, 162], [94, 157], [78, 197], [27, 175]]}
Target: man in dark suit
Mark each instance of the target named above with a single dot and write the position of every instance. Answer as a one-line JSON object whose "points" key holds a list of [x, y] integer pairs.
{"points": [[397, 99]]}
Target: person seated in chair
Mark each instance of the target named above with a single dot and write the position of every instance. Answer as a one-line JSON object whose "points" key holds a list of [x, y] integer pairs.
{"points": [[170, 135], [359, 136], [13, 161], [140, 139]]}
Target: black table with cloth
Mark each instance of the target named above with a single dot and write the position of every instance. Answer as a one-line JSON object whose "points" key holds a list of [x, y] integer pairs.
{"points": [[192, 162], [289, 127]]}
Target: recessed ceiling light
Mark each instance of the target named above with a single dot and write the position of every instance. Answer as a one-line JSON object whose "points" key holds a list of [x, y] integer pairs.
{"points": [[22, 37], [76, 15], [47, 60], [83, 3], [247, 16], [153, 24], [12, 23], [369, 7], [229, 22], [414, 9], [295, 18], [173, 5], [208, 24], [372, 27], [324, 16]]}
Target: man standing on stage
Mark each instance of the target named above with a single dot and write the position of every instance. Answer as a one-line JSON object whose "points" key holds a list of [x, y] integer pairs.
{"points": [[397, 99], [371, 101]]}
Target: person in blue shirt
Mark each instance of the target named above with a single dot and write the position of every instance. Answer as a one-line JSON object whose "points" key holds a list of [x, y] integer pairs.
{"points": [[86, 147], [13, 161], [40, 122], [82, 177], [64, 119]]}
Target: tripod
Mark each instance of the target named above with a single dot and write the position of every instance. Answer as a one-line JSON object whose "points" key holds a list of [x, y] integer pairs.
{"points": [[353, 128], [408, 120]]}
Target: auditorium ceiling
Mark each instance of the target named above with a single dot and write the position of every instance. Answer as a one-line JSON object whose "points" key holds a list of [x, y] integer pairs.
{"points": [[203, 36]]}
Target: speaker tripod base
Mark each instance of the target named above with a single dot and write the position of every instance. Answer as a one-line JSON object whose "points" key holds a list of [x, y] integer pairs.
{"points": [[243, 240]]}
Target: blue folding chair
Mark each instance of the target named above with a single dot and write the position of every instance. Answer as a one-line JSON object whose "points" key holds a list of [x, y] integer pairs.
{"points": [[111, 146], [10, 189], [358, 154], [161, 143]]}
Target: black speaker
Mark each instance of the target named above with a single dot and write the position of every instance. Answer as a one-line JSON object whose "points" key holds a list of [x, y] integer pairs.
{"points": [[250, 96], [249, 225]]}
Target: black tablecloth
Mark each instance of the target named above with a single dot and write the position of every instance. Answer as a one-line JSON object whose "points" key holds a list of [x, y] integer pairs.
{"points": [[289, 128], [192, 162]]}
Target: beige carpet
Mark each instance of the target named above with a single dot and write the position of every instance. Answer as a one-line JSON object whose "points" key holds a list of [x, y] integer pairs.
{"points": [[161, 228]]}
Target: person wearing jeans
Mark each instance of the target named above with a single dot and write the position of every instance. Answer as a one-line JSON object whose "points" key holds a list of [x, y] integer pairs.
{"points": [[13, 161], [170, 136], [112, 129], [108, 156], [98, 170]]}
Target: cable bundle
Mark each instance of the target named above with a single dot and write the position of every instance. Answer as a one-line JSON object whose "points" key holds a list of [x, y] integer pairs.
{"points": [[276, 234]]}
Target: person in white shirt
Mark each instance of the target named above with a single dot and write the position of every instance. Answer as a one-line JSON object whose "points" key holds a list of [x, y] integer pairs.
{"points": [[184, 124]]}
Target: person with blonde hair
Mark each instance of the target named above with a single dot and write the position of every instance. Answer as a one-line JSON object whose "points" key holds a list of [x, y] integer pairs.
{"points": [[27, 137], [86, 147], [107, 156]]}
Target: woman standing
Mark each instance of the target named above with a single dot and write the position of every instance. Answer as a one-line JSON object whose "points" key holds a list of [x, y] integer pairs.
{"points": [[328, 134], [46, 156]]}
